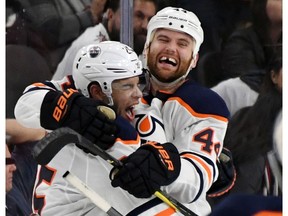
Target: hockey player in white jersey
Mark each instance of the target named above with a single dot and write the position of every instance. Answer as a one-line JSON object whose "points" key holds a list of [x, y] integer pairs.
{"points": [[190, 116], [108, 71]]}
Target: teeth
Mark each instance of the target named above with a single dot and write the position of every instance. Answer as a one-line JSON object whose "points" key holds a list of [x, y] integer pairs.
{"points": [[130, 109], [172, 60], [167, 59]]}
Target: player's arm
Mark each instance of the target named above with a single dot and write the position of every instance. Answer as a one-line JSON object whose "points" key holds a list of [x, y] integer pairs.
{"points": [[44, 105], [90, 118], [198, 135], [199, 145], [19, 134], [27, 108]]}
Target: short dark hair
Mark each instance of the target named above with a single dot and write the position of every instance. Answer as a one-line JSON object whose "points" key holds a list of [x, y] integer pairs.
{"points": [[112, 4]]}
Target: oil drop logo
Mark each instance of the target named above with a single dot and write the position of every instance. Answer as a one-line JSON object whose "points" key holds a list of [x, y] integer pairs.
{"points": [[150, 128]]}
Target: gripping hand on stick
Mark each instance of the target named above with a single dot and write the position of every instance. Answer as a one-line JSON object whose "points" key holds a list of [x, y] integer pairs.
{"points": [[149, 167]]}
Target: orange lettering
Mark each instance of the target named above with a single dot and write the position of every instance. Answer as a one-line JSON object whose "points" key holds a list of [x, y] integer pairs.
{"points": [[71, 91], [57, 114], [62, 102], [169, 165], [153, 143], [164, 154]]}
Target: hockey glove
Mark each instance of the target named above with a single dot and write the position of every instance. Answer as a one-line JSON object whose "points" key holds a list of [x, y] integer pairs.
{"points": [[72, 109], [149, 167], [227, 175]]}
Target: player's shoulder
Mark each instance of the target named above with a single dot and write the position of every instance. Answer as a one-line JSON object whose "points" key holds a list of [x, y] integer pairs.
{"points": [[125, 129], [54, 85], [201, 99]]}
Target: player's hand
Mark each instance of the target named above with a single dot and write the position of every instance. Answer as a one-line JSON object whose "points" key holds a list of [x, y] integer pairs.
{"points": [[149, 167], [227, 175], [92, 119]]}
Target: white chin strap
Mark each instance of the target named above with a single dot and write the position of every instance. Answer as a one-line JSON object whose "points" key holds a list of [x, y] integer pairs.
{"points": [[109, 96], [111, 102], [168, 85]]}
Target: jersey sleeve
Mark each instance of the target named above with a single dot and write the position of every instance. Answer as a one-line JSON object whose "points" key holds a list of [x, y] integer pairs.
{"points": [[195, 120], [28, 106]]}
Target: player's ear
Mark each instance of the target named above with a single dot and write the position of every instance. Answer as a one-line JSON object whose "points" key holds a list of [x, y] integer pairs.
{"points": [[194, 61], [274, 77], [96, 92], [110, 13]]}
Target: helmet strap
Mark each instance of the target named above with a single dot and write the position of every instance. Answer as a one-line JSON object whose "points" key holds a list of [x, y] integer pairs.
{"points": [[169, 87]]}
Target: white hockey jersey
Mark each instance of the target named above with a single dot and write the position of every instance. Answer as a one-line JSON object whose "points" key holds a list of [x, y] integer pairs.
{"points": [[194, 119]]}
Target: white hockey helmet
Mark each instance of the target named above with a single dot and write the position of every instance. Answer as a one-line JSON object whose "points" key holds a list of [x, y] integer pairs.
{"points": [[176, 19], [104, 62]]}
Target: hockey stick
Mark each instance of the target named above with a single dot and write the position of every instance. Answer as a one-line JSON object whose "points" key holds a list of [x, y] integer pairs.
{"points": [[50, 145], [92, 195]]}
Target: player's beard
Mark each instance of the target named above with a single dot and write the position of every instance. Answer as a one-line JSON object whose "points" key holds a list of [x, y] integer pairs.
{"points": [[139, 41], [114, 34], [181, 69]]}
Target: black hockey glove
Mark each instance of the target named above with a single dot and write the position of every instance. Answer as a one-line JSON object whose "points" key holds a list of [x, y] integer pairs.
{"points": [[72, 109], [227, 175], [149, 167]]}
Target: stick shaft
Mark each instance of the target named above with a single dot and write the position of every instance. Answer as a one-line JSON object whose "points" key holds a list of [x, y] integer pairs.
{"points": [[52, 143], [91, 194], [117, 163]]}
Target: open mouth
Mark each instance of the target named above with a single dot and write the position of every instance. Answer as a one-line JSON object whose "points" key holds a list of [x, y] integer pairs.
{"points": [[130, 114], [167, 60]]}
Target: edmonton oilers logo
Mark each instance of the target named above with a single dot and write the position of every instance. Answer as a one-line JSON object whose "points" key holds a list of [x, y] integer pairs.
{"points": [[94, 51], [146, 125]]}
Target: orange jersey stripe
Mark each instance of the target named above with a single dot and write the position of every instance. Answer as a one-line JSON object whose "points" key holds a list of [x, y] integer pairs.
{"points": [[143, 101], [129, 142], [166, 212], [268, 213], [165, 92], [200, 115], [203, 164], [38, 84]]}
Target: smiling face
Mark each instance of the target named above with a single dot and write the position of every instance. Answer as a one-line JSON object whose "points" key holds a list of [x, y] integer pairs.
{"points": [[126, 94], [170, 55]]}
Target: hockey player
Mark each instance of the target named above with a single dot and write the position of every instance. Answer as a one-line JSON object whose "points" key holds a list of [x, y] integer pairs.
{"points": [[178, 111], [108, 71]]}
